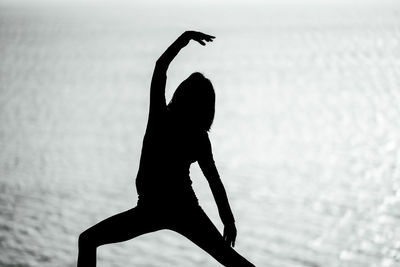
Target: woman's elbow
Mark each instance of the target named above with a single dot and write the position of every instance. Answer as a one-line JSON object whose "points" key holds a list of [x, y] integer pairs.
{"points": [[161, 62]]}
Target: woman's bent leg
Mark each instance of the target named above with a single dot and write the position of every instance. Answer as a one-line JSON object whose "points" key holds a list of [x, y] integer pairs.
{"points": [[117, 228], [198, 228]]}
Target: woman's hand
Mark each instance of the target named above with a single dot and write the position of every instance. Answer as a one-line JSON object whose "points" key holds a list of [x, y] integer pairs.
{"points": [[230, 234], [199, 37]]}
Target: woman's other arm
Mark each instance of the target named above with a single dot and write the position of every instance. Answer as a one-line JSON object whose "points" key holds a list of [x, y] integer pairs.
{"points": [[207, 165]]}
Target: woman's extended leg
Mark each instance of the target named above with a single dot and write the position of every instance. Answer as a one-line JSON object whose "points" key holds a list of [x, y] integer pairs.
{"points": [[200, 230], [117, 228]]}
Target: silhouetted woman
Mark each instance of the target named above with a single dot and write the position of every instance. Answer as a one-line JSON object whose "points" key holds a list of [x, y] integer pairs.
{"points": [[176, 136]]}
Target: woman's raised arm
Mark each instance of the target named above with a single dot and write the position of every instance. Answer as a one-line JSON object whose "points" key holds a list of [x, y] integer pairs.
{"points": [[158, 81]]}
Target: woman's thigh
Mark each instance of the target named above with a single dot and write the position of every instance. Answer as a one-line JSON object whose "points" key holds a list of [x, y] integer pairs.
{"points": [[122, 226], [198, 228]]}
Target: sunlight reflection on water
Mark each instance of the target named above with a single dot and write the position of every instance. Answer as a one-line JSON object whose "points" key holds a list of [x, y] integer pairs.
{"points": [[305, 137]]}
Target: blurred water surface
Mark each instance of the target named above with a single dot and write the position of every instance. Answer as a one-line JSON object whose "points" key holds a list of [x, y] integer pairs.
{"points": [[306, 135]]}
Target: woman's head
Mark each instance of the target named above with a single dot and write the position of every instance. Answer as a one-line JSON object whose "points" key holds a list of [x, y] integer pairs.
{"points": [[194, 102]]}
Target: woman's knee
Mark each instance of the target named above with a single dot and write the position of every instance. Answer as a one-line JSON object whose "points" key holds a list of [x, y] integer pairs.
{"points": [[86, 240]]}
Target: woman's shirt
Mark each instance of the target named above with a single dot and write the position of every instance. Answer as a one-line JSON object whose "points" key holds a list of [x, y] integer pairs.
{"points": [[167, 153]]}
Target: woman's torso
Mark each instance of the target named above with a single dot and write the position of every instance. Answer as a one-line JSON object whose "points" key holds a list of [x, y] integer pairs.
{"points": [[167, 153]]}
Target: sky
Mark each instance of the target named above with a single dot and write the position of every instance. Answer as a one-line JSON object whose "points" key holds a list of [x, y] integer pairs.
{"points": [[197, 2]]}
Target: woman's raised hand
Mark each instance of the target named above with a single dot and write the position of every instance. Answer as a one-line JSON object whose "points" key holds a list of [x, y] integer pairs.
{"points": [[199, 37]]}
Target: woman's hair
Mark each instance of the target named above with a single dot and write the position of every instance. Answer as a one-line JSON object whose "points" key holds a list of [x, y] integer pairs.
{"points": [[194, 101]]}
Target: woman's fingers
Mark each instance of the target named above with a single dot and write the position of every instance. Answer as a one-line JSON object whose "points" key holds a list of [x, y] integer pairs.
{"points": [[229, 235], [233, 240], [201, 42], [208, 38], [200, 37]]}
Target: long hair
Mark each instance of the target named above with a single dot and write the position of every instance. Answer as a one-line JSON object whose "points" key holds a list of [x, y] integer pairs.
{"points": [[194, 101]]}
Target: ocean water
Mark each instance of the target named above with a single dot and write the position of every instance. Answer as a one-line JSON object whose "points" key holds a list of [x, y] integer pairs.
{"points": [[306, 135]]}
